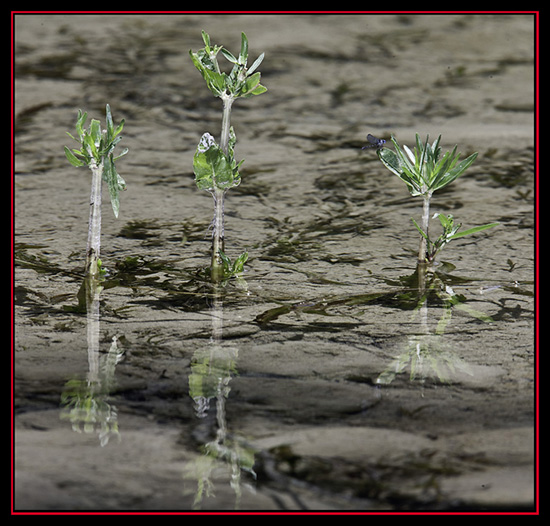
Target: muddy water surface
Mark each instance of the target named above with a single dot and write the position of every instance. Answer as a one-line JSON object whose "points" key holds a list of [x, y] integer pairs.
{"points": [[326, 379]]}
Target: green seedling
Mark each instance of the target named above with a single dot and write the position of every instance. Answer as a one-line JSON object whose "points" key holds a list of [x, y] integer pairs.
{"points": [[215, 167], [97, 152], [235, 269], [450, 232], [424, 171]]}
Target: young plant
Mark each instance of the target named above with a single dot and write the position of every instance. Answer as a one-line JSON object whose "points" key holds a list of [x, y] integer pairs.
{"points": [[234, 269], [96, 152], [450, 232], [215, 167], [424, 172]]}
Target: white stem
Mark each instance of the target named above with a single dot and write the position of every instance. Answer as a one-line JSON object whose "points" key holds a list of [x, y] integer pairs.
{"points": [[226, 122], [218, 236], [92, 313], [216, 269], [422, 251], [94, 224]]}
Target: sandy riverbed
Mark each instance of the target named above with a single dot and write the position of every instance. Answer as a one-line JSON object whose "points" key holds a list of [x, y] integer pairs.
{"points": [[324, 376]]}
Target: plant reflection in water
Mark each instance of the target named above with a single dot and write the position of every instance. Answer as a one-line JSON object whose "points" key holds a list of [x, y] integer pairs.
{"points": [[84, 402], [426, 355], [212, 369]]}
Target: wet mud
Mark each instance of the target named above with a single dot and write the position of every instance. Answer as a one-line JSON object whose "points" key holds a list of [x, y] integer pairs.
{"points": [[330, 377]]}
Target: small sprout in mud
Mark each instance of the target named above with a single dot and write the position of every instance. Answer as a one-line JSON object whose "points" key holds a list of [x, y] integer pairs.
{"points": [[101, 270], [215, 167], [424, 171], [233, 269], [97, 152], [229, 270]]}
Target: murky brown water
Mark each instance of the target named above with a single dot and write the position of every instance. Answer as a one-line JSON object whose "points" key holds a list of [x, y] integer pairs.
{"points": [[324, 381]]}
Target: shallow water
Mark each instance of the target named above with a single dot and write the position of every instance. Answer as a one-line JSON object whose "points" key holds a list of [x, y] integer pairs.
{"points": [[326, 380]]}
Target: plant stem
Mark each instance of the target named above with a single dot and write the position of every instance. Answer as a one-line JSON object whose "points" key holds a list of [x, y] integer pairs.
{"points": [[226, 122], [93, 290], [423, 249], [216, 269], [94, 224]]}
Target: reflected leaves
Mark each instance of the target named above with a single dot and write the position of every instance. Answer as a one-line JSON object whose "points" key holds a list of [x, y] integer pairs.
{"points": [[85, 402], [211, 371], [427, 354]]}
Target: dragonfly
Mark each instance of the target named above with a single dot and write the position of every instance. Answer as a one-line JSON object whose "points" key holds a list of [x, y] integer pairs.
{"points": [[374, 142]]}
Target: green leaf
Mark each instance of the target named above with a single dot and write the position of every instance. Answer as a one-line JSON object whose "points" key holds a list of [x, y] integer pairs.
{"points": [[451, 175], [420, 153], [255, 65], [231, 156], [215, 81], [229, 56], [110, 125], [258, 90], [442, 167], [400, 167], [80, 120], [119, 128], [206, 39], [390, 161], [73, 159], [95, 132], [89, 143], [230, 270], [436, 149], [473, 230], [212, 168], [424, 235], [458, 170], [243, 55], [108, 148], [124, 152], [73, 138], [446, 221], [226, 261], [405, 163], [115, 183], [238, 266], [249, 85]]}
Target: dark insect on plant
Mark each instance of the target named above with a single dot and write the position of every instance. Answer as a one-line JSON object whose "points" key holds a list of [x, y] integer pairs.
{"points": [[424, 172]]}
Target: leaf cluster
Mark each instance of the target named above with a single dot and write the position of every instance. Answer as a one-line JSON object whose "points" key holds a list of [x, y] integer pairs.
{"points": [[97, 151], [450, 232], [233, 269], [240, 82], [424, 171], [213, 169]]}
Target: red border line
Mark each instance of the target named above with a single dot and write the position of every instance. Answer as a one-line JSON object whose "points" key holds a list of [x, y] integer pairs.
{"points": [[537, 274]]}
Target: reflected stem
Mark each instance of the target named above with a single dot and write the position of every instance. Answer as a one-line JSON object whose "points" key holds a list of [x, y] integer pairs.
{"points": [[93, 291]]}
